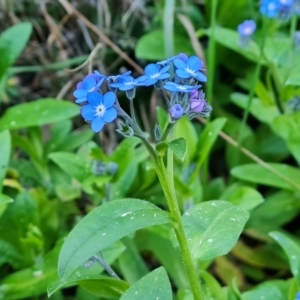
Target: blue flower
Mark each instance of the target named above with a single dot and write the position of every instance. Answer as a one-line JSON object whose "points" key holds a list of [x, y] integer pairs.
{"points": [[247, 28], [270, 8], [126, 83], [91, 83], [176, 111], [197, 101], [99, 109], [153, 73], [285, 9], [113, 78], [297, 296], [174, 87], [189, 69]]}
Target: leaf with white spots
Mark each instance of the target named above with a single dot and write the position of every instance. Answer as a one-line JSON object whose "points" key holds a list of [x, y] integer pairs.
{"points": [[292, 251], [153, 286], [39, 112], [213, 228], [103, 226]]}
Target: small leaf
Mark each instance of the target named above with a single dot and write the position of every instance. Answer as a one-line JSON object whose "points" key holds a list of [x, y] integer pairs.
{"points": [[178, 146], [4, 201], [12, 43], [155, 285], [213, 228], [257, 174], [103, 226], [292, 251], [36, 113], [5, 147]]}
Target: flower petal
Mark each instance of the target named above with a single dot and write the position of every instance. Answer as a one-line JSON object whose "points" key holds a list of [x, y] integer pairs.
{"points": [[94, 98], [80, 85], [194, 63], [163, 76], [109, 99], [165, 69], [88, 112], [97, 124], [200, 76], [110, 115], [182, 73], [179, 63], [89, 83], [151, 69], [80, 93]]}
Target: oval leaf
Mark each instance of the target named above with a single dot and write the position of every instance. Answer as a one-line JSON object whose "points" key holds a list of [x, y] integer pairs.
{"points": [[292, 251], [155, 285], [12, 42], [178, 146], [36, 113], [257, 174], [105, 225], [213, 228]]}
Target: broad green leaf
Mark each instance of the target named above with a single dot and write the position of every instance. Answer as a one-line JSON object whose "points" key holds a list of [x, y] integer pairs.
{"points": [[292, 251], [206, 141], [36, 113], [213, 228], [10, 255], [154, 285], [5, 145], [275, 290], [243, 196], [12, 42], [72, 164], [103, 226], [230, 39], [178, 146], [288, 127], [93, 271], [257, 174], [151, 46], [263, 113], [294, 77], [4, 201]]}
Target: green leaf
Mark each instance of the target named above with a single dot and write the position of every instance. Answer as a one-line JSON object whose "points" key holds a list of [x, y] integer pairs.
{"points": [[12, 43], [94, 271], [4, 201], [288, 127], [155, 285], [243, 196], [230, 39], [206, 141], [103, 226], [292, 251], [213, 228], [275, 290], [36, 113], [5, 147], [263, 113], [178, 146], [151, 46], [257, 174], [72, 164]]}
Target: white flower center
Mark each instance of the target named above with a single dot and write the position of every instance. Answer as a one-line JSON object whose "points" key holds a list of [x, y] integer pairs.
{"points": [[271, 6], [248, 30], [154, 75], [190, 71], [180, 87], [129, 83], [100, 110]]}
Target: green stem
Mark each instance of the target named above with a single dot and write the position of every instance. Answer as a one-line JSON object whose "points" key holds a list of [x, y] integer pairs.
{"points": [[166, 180], [167, 131], [293, 30]]}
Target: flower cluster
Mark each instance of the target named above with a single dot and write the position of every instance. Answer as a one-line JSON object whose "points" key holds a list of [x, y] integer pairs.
{"points": [[281, 9], [180, 89]]}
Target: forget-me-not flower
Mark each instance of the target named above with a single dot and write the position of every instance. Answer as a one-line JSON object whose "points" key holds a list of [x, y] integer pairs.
{"points": [[99, 109], [245, 31], [197, 101], [190, 69], [270, 8], [285, 9], [91, 83], [126, 83], [174, 87], [153, 73], [176, 111]]}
